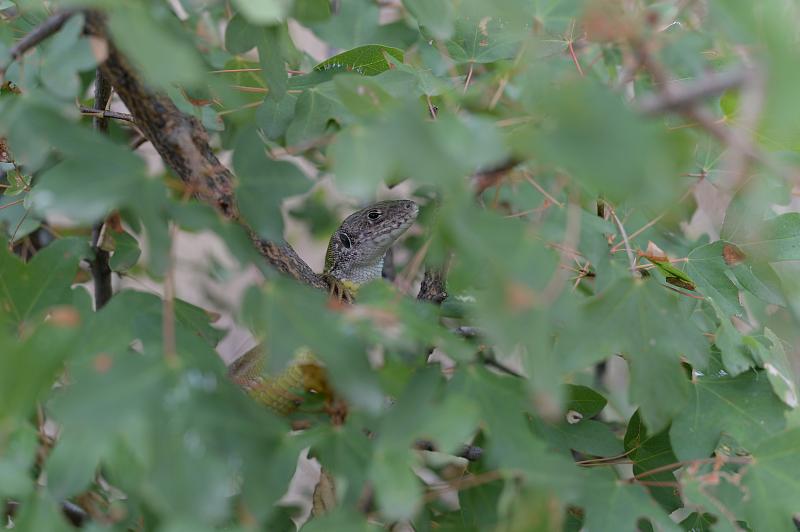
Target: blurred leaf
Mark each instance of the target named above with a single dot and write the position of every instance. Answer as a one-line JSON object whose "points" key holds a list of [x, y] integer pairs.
{"points": [[15, 219], [240, 35], [339, 519], [275, 115], [311, 11], [263, 185], [273, 66], [777, 239], [398, 491], [357, 23], [264, 11], [436, 16], [67, 55], [143, 38], [19, 443], [29, 367], [39, 512], [586, 436], [477, 39], [576, 137], [126, 252], [315, 108]]}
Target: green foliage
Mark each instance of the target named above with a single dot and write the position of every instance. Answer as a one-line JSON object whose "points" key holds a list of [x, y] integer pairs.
{"points": [[518, 127]]}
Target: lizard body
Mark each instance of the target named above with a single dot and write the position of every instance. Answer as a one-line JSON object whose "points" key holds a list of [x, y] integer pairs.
{"points": [[355, 256]]}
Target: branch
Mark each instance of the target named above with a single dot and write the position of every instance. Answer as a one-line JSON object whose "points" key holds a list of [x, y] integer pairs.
{"points": [[686, 95], [35, 36], [434, 285], [183, 144], [101, 271], [101, 114], [628, 251]]}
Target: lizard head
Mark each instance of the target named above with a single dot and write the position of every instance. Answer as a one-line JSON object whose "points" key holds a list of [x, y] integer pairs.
{"points": [[356, 249]]}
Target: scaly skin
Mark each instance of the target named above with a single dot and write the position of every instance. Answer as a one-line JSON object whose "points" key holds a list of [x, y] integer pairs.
{"points": [[355, 256]]}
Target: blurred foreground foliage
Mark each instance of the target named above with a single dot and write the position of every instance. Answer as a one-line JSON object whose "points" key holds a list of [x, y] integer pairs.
{"points": [[579, 226]]}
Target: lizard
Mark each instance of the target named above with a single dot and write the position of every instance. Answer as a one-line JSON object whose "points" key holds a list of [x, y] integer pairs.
{"points": [[355, 256]]}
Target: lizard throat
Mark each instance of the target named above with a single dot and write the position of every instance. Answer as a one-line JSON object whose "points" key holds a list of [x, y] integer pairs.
{"points": [[358, 275]]}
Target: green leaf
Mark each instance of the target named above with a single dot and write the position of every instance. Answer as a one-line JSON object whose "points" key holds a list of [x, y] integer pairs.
{"points": [[144, 39], [651, 452], [126, 252], [778, 239], [436, 16], [15, 219], [275, 115], [584, 400], [742, 407], [480, 39], [707, 268], [29, 367], [777, 366], [645, 322], [698, 522], [67, 55], [19, 445], [28, 289], [736, 357], [311, 11], [240, 35], [576, 137], [611, 504], [772, 483], [368, 60], [315, 108], [263, 185], [263, 12], [273, 67], [586, 436], [398, 491]]}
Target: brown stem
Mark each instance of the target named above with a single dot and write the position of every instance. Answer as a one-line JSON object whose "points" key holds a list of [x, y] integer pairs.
{"points": [[101, 271], [183, 144]]}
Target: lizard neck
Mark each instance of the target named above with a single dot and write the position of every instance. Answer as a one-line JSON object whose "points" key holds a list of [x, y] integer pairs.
{"points": [[354, 277]]}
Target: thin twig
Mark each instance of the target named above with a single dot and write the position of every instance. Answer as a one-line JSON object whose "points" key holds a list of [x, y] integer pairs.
{"points": [[628, 250], [168, 317], [102, 113], [652, 222], [462, 484], [101, 270], [685, 95], [529, 178], [571, 238], [469, 78]]}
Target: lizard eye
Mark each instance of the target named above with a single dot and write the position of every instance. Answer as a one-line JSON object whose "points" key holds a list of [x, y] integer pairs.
{"points": [[345, 240], [374, 215]]}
